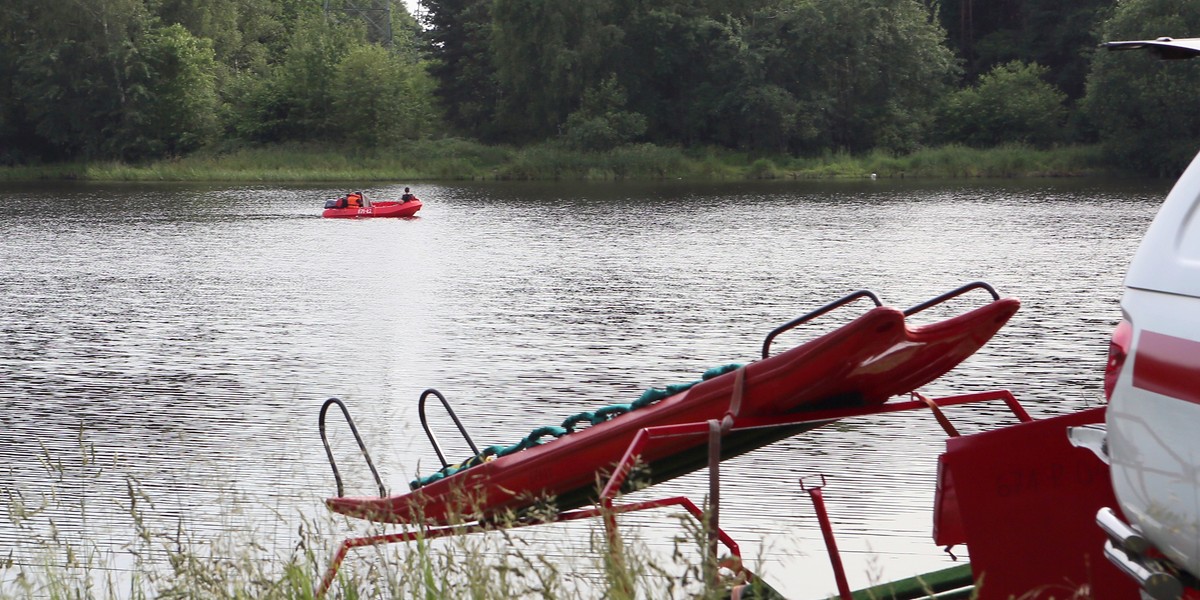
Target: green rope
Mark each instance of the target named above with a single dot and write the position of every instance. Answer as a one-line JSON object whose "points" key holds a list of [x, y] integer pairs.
{"points": [[535, 437]]}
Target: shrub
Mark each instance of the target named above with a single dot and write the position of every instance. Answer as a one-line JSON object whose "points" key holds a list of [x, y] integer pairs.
{"points": [[1011, 104], [601, 123]]}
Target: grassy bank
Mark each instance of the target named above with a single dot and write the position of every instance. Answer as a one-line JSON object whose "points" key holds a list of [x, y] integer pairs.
{"points": [[130, 545], [455, 159], [164, 560]]}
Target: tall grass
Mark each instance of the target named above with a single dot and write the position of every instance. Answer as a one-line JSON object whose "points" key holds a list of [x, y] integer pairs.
{"points": [[1002, 161], [488, 566], [458, 159], [157, 561]]}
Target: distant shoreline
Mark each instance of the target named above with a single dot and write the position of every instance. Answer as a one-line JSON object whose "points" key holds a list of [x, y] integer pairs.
{"points": [[461, 160]]}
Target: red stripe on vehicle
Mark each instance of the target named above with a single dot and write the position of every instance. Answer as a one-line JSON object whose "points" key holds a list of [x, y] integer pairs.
{"points": [[1168, 365]]}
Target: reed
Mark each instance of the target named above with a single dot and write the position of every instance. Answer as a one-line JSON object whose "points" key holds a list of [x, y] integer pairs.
{"points": [[458, 159], [1003, 161], [554, 162], [488, 566], [157, 560]]}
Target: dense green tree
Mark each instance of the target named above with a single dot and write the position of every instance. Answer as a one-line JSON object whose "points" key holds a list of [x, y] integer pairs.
{"points": [[1143, 107], [1059, 35], [332, 84], [246, 34], [100, 79], [1010, 104], [768, 117], [854, 74], [18, 140], [255, 109], [778, 101], [460, 34], [547, 54], [803, 75], [680, 61], [408, 39], [296, 102], [216, 20], [889, 83], [379, 98], [74, 71], [602, 123], [134, 79], [176, 110]]}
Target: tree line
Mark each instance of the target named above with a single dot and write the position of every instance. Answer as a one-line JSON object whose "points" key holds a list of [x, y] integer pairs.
{"points": [[137, 80]]}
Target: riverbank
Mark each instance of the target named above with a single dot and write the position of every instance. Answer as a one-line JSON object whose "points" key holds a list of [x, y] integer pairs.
{"points": [[457, 160]]}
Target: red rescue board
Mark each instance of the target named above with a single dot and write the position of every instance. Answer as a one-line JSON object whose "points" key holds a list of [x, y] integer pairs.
{"points": [[863, 363]]}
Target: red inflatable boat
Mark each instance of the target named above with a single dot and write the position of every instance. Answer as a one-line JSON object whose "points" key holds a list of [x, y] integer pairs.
{"points": [[861, 364], [376, 209]]}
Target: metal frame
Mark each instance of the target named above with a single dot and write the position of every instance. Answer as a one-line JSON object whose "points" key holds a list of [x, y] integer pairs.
{"points": [[975, 285], [766, 347], [453, 416], [715, 430], [358, 438]]}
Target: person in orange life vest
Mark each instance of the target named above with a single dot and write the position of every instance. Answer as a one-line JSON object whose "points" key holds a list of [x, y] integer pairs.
{"points": [[407, 196], [354, 200]]}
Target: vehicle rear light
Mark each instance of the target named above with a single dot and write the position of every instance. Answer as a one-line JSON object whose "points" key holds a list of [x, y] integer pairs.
{"points": [[1118, 350]]}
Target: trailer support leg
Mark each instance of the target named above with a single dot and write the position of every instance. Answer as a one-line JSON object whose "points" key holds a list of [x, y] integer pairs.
{"points": [[839, 572]]}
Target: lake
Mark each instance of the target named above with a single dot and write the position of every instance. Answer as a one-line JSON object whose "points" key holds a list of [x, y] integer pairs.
{"points": [[172, 344]]}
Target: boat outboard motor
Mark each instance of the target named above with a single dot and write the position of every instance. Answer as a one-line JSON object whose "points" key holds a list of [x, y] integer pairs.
{"points": [[332, 203]]}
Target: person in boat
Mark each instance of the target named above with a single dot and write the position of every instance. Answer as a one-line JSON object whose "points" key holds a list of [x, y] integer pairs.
{"points": [[355, 200], [407, 196]]}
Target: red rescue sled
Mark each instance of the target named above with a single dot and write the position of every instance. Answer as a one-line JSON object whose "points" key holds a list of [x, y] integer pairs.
{"points": [[861, 364], [376, 209]]}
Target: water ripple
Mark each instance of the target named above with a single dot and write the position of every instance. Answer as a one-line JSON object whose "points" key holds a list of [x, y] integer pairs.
{"points": [[180, 339]]}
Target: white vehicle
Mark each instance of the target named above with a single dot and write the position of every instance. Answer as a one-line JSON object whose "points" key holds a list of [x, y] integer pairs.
{"points": [[1152, 381]]}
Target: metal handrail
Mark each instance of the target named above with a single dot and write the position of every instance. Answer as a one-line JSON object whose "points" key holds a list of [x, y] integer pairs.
{"points": [[766, 348], [429, 432], [362, 447], [951, 294]]}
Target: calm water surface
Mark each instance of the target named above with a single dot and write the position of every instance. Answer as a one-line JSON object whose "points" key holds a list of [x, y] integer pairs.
{"points": [[178, 341]]}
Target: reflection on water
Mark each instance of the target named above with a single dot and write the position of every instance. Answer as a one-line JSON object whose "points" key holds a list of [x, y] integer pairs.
{"points": [[179, 340]]}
